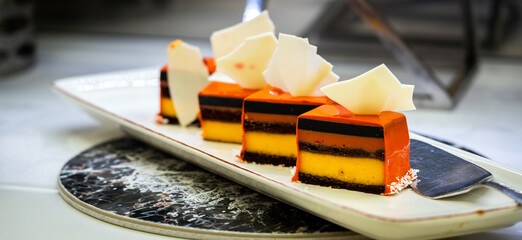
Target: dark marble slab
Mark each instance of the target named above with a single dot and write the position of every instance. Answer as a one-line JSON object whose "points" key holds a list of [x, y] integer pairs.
{"points": [[131, 179]]}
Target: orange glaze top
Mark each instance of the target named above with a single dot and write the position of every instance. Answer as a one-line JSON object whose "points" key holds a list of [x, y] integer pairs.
{"points": [[165, 68], [396, 137], [222, 89], [337, 113], [210, 63], [276, 95]]}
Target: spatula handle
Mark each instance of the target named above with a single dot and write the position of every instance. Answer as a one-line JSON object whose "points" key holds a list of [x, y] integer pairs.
{"points": [[507, 190]]}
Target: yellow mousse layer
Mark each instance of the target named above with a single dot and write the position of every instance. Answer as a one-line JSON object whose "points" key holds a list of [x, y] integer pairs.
{"points": [[366, 171], [222, 131], [167, 107], [271, 143]]}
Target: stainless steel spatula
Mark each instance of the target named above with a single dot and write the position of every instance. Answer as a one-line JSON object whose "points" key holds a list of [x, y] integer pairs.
{"points": [[442, 174]]}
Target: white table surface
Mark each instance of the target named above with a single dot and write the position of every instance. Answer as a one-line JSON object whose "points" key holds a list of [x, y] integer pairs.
{"points": [[39, 132]]}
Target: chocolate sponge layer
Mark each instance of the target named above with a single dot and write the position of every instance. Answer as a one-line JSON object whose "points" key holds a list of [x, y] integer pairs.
{"points": [[341, 151], [270, 127], [268, 159], [213, 113]]}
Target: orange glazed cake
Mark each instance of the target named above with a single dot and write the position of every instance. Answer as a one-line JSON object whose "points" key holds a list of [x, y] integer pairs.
{"points": [[294, 75], [358, 143], [269, 125], [221, 106], [242, 53], [167, 113], [337, 148]]}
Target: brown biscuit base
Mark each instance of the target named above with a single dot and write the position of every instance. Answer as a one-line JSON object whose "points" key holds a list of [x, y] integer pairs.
{"points": [[270, 127], [334, 183], [268, 159]]}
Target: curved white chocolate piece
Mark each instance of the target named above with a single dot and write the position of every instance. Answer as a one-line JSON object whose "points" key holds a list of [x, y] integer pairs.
{"points": [[401, 100], [297, 68], [248, 61], [372, 92], [220, 77], [225, 40], [272, 75], [187, 75]]}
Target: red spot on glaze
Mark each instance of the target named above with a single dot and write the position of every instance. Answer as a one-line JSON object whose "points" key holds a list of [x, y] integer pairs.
{"points": [[239, 65], [252, 66]]}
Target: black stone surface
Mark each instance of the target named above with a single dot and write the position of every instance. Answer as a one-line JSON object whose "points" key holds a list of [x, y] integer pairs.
{"points": [[131, 179]]}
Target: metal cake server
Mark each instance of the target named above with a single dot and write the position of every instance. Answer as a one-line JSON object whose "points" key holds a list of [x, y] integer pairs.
{"points": [[443, 174]]}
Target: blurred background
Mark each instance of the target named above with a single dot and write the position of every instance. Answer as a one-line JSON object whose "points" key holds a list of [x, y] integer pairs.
{"points": [[450, 43], [449, 37], [329, 23], [476, 41]]}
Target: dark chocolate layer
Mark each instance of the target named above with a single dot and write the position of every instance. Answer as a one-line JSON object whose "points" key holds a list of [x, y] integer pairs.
{"points": [[164, 85], [340, 128], [211, 113], [163, 76], [271, 127], [341, 151], [268, 159], [334, 183], [220, 101], [278, 108], [165, 92]]}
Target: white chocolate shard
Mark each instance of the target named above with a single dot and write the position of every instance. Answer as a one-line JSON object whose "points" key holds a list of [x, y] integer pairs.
{"points": [[372, 92], [220, 77], [297, 68], [248, 61], [187, 75], [226, 40], [401, 100], [272, 75]]}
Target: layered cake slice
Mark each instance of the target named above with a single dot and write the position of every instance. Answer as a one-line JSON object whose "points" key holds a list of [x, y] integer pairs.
{"points": [[180, 80], [167, 113], [358, 152], [359, 145], [269, 124], [295, 74], [221, 106], [221, 102]]}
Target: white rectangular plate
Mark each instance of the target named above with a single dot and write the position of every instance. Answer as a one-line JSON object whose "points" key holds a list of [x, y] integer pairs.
{"points": [[131, 99]]}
